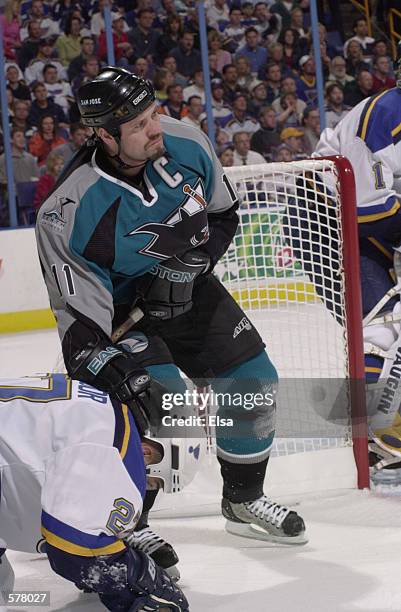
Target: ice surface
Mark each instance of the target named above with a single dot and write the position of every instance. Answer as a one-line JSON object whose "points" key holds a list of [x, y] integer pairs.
{"points": [[28, 353], [347, 566]]}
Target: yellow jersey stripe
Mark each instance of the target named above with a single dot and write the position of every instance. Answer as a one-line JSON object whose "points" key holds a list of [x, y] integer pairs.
{"points": [[372, 369], [381, 248], [368, 113], [127, 431], [396, 130], [377, 216], [81, 551]]}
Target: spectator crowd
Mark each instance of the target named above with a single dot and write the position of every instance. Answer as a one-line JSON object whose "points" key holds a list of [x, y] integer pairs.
{"points": [[263, 75]]}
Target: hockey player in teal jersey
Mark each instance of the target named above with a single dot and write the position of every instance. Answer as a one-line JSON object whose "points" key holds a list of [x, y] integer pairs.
{"points": [[139, 219], [72, 480], [370, 137]]}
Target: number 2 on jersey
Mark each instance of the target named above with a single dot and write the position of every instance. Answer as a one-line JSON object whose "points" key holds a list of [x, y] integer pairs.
{"points": [[121, 516]]}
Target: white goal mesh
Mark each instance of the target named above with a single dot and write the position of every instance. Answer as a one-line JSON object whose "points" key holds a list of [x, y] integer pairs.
{"points": [[286, 269], [290, 218]]}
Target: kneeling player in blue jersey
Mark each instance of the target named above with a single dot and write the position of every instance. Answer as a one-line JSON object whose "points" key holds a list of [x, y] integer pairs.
{"points": [[139, 218], [72, 477]]}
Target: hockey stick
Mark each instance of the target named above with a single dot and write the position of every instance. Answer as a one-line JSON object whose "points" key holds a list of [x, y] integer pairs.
{"points": [[134, 316]]}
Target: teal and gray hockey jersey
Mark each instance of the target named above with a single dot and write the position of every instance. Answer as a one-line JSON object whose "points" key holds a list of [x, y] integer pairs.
{"points": [[98, 231]]}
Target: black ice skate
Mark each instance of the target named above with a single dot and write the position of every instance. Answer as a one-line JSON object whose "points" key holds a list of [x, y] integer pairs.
{"points": [[155, 546], [262, 519]]}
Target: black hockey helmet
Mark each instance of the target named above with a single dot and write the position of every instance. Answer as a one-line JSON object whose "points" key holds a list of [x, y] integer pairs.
{"points": [[114, 97]]}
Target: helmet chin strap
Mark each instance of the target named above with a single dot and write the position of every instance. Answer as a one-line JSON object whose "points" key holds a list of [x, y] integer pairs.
{"points": [[121, 164]]}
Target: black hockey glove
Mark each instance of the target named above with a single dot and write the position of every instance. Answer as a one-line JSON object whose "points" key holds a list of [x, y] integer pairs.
{"points": [[166, 291], [142, 394], [109, 367], [151, 586]]}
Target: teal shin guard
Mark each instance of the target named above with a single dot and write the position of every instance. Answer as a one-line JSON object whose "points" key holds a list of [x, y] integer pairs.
{"points": [[243, 450], [247, 395]]}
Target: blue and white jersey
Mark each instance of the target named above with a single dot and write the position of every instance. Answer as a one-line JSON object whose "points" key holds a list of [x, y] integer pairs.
{"points": [[71, 467], [370, 137]]}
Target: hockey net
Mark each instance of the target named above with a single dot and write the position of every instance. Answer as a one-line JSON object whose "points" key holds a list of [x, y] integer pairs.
{"points": [[294, 269]]}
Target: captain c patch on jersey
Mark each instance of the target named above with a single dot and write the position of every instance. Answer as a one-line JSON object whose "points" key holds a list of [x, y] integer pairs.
{"points": [[185, 228]]}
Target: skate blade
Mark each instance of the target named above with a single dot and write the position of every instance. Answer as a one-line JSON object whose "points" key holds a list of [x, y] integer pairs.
{"points": [[173, 572], [247, 530]]}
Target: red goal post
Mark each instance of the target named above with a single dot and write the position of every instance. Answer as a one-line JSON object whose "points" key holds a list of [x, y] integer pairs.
{"points": [[354, 316]]}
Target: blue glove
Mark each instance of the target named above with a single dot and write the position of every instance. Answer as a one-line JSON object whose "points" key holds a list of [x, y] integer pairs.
{"points": [[154, 587], [147, 587]]}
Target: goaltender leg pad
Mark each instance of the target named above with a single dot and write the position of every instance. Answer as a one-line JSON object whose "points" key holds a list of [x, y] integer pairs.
{"points": [[373, 368], [382, 343], [382, 348], [383, 361], [376, 277], [389, 439]]}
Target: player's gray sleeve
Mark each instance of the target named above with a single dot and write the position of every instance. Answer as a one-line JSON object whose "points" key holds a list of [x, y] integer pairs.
{"points": [[74, 288]]}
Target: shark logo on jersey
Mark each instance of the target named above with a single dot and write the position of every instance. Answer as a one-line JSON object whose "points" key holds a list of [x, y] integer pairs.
{"points": [[55, 217], [186, 227]]}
